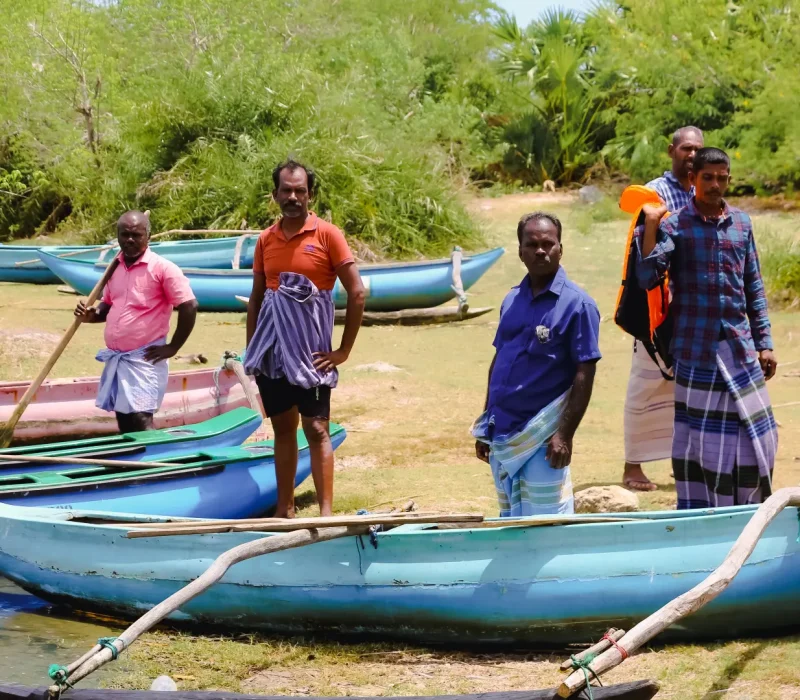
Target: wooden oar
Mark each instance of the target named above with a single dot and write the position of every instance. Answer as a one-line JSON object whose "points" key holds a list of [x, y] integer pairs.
{"points": [[99, 655], [691, 601], [88, 462], [8, 430]]}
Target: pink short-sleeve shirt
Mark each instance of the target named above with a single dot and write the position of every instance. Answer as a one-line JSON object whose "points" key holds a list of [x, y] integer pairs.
{"points": [[142, 298]]}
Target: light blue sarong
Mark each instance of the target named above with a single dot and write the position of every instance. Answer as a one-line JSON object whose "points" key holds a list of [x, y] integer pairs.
{"points": [[131, 384], [526, 483]]}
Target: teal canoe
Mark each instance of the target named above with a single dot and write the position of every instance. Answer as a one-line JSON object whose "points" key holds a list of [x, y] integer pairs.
{"points": [[389, 287], [227, 430], [512, 585], [208, 253], [224, 482]]}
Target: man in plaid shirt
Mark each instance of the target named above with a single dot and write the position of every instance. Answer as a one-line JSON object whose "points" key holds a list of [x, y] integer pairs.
{"points": [[725, 436], [650, 398]]}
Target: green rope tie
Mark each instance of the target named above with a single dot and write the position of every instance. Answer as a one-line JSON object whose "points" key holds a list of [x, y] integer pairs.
{"points": [[585, 665], [59, 675], [108, 643]]}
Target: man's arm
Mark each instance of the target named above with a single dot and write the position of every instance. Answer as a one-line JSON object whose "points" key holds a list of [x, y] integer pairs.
{"points": [[656, 247], [356, 298], [92, 314], [254, 305], [559, 451], [481, 448], [756, 301], [187, 315]]}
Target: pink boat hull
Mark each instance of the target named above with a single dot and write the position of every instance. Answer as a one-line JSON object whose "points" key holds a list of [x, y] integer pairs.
{"points": [[64, 408]]}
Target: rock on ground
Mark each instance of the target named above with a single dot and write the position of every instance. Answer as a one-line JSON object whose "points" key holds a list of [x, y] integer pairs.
{"points": [[606, 499]]}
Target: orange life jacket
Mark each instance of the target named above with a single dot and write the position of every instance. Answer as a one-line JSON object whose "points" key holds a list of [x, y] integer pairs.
{"points": [[643, 314]]}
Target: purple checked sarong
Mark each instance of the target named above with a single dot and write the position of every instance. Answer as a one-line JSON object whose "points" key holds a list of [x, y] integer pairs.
{"points": [[723, 449], [295, 321]]}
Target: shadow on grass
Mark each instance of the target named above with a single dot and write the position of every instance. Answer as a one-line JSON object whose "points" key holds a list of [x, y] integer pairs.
{"points": [[733, 670]]}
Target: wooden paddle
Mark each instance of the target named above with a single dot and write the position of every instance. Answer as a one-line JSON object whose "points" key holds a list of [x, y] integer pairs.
{"points": [[8, 430]]}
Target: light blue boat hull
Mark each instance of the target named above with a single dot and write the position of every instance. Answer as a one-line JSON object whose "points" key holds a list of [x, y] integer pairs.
{"points": [[208, 253], [238, 490], [540, 585], [151, 452], [389, 287]]}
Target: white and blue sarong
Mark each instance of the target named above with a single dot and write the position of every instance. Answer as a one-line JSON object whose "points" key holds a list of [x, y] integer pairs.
{"points": [[526, 483], [131, 384]]}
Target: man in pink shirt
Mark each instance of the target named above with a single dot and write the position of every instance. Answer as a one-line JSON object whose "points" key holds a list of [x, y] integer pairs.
{"points": [[136, 308]]}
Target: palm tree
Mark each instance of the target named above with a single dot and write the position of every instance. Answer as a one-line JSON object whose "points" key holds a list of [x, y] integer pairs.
{"points": [[553, 60]]}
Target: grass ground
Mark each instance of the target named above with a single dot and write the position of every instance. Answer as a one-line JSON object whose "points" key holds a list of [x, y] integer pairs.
{"points": [[408, 438]]}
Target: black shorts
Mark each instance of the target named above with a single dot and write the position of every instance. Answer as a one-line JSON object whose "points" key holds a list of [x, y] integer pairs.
{"points": [[279, 396]]}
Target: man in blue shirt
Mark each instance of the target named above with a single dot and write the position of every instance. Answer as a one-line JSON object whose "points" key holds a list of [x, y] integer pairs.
{"points": [[650, 398], [541, 378], [725, 437]]}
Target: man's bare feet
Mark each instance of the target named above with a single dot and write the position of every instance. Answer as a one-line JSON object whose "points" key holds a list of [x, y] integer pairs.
{"points": [[634, 478]]}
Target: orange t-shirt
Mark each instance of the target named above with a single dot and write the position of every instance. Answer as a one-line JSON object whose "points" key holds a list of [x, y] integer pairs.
{"points": [[317, 252]]}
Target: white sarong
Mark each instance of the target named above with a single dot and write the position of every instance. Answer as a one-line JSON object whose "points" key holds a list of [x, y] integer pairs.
{"points": [[649, 411], [131, 384]]}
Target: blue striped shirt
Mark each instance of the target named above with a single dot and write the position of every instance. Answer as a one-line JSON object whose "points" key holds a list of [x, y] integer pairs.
{"points": [[671, 191]]}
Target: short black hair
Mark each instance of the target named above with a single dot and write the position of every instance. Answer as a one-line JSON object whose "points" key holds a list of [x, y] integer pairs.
{"points": [[710, 156], [678, 134], [291, 164], [538, 216]]}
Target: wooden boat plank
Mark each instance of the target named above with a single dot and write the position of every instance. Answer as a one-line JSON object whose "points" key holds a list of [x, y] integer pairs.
{"points": [[637, 690]]}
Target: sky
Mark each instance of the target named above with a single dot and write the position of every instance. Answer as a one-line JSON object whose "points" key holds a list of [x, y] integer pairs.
{"points": [[526, 10]]}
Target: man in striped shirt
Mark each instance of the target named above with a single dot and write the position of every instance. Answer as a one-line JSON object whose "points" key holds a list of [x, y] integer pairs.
{"points": [[725, 438], [649, 402]]}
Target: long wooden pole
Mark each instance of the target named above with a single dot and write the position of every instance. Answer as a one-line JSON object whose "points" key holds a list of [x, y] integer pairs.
{"points": [[81, 461], [288, 525], [8, 430], [694, 599], [99, 655]]}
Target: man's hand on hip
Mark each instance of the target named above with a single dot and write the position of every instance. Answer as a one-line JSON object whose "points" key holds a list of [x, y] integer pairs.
{"points": [[328, 361], [482, 451], [157, 353], [769, 363], [559, 451]]}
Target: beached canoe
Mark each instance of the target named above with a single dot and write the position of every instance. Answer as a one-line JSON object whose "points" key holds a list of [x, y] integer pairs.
{"points": [[637, 690], [524, 585], [228, 430], [64, 408], [225, 482], [206, 253], [389, 287]]}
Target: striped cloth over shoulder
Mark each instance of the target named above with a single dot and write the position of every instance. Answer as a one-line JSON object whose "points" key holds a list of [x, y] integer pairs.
{"points": [[295, 321]]}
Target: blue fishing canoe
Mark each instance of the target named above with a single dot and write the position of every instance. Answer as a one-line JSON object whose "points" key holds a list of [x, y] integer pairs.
{"points": [[227, 482], [207, 253], [389, 287], [524, 585], [226, 430]]}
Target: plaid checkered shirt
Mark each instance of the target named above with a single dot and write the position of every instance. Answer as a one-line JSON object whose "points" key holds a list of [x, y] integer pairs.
{"points": [[671, 191], [717, 287]]}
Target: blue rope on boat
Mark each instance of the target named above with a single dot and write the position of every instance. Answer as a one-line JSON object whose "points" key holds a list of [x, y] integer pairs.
{"points": [[108, 643], [585, 665]]}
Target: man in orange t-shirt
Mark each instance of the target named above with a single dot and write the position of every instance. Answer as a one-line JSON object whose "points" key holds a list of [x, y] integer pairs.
{"points": [[290, 322]]}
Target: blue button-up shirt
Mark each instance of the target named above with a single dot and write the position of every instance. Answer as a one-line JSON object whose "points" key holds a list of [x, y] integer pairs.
{"points": [[716, 284], [671, 191], [540, 342]]}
